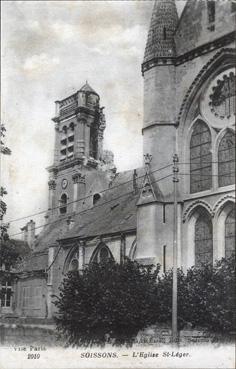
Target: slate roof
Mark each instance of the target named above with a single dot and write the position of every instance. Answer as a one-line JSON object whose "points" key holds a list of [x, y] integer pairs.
{"points": [[34, 262], [20, 246], [88, 88], [114, 212], [161, 43]]}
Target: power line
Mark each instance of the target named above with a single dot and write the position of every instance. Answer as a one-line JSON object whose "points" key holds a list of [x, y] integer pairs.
{"points": [[108, 189], [86, 197], [90, 209]]}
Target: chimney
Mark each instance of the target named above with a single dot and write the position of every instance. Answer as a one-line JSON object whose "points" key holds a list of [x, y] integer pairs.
{"points": [[135, 185], [29, 233], [70, 223]]}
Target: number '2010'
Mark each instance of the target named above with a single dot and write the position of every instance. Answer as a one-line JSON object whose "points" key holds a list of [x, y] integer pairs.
{"points": [[33, 356]]}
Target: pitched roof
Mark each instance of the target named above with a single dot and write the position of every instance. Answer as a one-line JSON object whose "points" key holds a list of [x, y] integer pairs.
{"points": [[114, 212], [87, 88], [160, 42], [33, 262]]}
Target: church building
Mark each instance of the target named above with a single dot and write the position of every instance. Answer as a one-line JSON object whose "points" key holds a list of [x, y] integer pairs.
{"points": [[95, 213]]}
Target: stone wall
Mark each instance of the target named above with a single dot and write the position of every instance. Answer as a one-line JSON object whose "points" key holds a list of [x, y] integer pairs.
{"points": [[28, 334]]}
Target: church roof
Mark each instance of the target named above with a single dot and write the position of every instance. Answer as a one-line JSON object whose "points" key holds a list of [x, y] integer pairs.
{"points": [[160, 41], [114, 212], [87, 88]]}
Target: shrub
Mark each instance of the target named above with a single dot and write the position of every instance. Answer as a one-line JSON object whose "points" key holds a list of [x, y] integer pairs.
{"points": [[206, 296], [107, 302], [112, 303]]}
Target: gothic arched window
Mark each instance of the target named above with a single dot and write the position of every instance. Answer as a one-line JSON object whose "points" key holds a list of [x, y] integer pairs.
{"points": [[102, 254], [230, 234], [226, 159], [63, 204], [200, 158], [203, 239]]}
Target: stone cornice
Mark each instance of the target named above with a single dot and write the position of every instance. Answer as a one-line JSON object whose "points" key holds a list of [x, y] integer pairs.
{"points": [[86, 162], [192, 54]]}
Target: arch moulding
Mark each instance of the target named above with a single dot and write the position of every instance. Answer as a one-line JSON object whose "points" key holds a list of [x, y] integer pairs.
{"points": [[221, 202], [190, 209]]}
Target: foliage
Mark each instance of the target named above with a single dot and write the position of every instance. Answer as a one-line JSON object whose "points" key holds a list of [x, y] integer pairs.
{"points": [[3, 207], [206, 296], [108, 302], [117, 301]]}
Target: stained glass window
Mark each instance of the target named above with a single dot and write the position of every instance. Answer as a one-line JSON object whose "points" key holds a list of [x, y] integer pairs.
{"points": [[230, 234], [226, 159], [200, 158], [102, 254], [203, 239]]}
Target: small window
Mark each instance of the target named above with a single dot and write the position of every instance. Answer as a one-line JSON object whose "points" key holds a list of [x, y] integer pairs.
{"points": [[6, 294], [164, 33], [211, 14], [164, 213], [96, 198], [72, 126], [164, 258], [63, 204], [64, 129], [233, 6]]}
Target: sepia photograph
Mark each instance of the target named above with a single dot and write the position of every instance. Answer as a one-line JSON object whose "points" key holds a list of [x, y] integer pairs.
{"points": [[117, 184]]}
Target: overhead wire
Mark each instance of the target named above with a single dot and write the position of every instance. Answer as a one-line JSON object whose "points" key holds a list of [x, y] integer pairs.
{"points": [[85, 197], [105, 190], [90, 209]]}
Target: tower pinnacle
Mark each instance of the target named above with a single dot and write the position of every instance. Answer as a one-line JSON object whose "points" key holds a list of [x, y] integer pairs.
{"points": [[160, 42]]}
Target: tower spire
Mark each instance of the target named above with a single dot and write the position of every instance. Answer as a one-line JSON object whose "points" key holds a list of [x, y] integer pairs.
{"points": [[160, 41]]}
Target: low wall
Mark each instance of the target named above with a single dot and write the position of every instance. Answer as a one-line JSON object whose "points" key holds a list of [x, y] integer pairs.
{"points": [[28, 334], [159, 335], [43, 333]]}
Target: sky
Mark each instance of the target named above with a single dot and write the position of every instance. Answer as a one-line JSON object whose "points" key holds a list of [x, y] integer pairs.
{"points": [[49, 49]]}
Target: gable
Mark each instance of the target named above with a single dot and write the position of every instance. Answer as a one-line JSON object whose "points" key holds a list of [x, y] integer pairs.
{"points": [[198, 26]]}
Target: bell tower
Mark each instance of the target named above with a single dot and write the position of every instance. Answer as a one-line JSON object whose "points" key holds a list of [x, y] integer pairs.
{"points": [[158, 70], [79, 126]]}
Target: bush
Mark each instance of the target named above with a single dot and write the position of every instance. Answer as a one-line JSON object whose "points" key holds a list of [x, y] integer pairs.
{"points": [[206, 296], [107, 302], [112, 303]]}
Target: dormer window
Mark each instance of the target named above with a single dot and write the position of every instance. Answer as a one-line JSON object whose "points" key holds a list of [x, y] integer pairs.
{"points": [[96, 198]]}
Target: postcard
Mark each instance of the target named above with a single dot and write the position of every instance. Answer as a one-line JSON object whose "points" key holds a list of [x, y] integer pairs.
{"points": [[117, 186]]}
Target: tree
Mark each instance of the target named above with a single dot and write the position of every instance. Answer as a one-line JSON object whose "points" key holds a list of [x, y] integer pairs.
{"points": [[111, 303], [108, 302], [3, 207], [206, 296]]}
